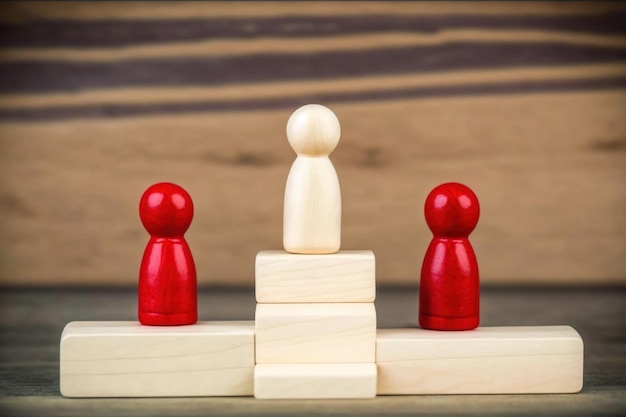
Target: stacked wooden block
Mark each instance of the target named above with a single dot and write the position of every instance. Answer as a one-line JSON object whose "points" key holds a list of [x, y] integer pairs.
{"points": [[128, 359], [315, 325], [487, 360]]}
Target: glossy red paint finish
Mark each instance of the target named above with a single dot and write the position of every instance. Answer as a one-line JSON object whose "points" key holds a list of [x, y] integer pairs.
{"points": [[167, 276], [449, 285]]}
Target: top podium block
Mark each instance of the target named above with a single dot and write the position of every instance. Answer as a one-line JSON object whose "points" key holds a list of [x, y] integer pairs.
{"points": [[342, 277]]}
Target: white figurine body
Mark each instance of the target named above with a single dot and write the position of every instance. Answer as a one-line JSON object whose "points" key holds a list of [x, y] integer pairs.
{"points": [[312, 211]]}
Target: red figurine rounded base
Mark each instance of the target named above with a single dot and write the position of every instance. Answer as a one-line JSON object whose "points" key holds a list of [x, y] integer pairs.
{"points": [[448, 323], [449, 284], [161, 319], [167, 276]]}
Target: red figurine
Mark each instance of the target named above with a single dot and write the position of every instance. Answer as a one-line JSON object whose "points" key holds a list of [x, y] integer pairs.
{"points": [[449, 288], [167, 277]]}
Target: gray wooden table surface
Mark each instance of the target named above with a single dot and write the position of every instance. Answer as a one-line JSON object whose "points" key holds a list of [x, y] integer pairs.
{"points": [[31, 321]]}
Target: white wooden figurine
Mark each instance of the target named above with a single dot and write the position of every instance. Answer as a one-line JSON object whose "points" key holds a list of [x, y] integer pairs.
{"points": [[312, 211]]}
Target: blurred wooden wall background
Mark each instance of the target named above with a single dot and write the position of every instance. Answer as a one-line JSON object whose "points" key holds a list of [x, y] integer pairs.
{"points": [[524, 102]]}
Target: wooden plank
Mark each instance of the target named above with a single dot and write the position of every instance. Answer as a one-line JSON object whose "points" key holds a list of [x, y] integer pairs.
{"points": [[127, 359], [488, 360]]}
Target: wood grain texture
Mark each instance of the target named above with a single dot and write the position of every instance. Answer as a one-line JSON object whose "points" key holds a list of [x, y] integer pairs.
{"points": [[488, 360], [501, 96], [342, 277], [556, 147], [489, 79], [127, 359], [21, 77], [315, 381], [315, 333], [230, 47], [124, 32], [107, 10]]}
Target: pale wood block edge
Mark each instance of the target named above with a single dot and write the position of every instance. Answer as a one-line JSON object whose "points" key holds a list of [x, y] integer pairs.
{"points": [[90, 328], [315, 381]]}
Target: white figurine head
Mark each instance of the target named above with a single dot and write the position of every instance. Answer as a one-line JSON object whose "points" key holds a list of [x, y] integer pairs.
{"points": [[313, 130]]}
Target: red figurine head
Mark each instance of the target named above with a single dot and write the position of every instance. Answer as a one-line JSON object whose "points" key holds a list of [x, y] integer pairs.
{"points": [[166, 210], [451, 210]]}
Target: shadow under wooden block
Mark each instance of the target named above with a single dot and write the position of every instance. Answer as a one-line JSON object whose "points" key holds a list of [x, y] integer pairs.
{"points": [[342, 277], [315, 381], [127, 359], [315, 333], [488, 360]]}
